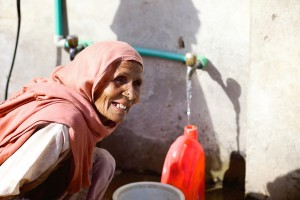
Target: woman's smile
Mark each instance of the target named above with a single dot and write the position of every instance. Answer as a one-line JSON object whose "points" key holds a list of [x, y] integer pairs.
{"points": [[119, 105], [119, 109]]}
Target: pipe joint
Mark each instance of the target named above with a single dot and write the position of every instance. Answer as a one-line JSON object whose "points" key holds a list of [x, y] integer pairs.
{"points": [[59, 41]]}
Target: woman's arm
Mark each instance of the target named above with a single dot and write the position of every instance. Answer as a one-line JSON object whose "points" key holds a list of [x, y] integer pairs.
{"points": [[34, 160]]}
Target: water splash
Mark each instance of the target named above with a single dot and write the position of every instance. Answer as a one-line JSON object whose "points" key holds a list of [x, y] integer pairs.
{"points": [[188, 93]]}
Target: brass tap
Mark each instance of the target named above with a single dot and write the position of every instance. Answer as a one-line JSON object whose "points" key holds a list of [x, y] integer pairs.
{"points": [[190, 59]]}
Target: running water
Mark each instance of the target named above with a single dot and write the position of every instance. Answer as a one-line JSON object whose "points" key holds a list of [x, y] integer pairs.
{"points": [[189, 93]]}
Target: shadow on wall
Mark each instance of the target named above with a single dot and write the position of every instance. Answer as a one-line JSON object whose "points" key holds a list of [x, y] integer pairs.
{"points": [[234, 177], [283, 187], [233, 91], [171, 27], [164, 25]]}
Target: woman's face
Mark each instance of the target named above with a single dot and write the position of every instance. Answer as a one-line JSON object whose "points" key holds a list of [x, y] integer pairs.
{"points": [[121, 92]]}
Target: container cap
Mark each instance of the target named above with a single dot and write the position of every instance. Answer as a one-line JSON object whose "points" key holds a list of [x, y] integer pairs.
{"points": [[191, 131]]}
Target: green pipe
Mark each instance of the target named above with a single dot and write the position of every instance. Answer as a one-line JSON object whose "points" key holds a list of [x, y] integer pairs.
{"points": [[160, 54], [169, 55], [155, 53], [58, 17]]}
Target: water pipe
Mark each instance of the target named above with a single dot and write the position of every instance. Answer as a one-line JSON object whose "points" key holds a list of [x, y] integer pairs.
{"points": [[192, 60], [58, 38], [189, 59], [161, 54], [58, 17]]}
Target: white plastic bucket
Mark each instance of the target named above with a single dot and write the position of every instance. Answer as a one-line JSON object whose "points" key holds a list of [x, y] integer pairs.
{"points": [[148, 191]]}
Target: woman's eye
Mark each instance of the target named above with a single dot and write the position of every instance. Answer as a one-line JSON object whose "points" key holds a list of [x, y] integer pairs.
{"points": [[137, 83], [120, 79]]}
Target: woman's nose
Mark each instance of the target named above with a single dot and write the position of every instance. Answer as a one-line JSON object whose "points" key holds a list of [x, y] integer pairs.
{"points": [[129, 92]]}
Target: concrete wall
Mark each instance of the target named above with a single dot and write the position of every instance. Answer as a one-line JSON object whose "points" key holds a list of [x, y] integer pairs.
{"points": [[220, 30], [273, 151]]}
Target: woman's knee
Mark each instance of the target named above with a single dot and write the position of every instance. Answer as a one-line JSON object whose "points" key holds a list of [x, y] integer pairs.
{"points": [[103, 161]]}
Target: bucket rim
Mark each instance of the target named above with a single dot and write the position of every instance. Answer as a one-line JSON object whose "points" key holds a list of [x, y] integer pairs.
{"points": [[148, 184]]}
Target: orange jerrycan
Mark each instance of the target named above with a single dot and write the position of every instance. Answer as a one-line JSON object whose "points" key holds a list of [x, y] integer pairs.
{"points": [[184, 165]]}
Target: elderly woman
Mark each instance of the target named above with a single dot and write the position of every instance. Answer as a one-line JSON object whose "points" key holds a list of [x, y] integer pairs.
{"points": [[49, 130]]}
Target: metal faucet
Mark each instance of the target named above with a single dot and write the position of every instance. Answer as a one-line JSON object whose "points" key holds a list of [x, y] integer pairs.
{"points": [[74, 47], [192, 64]]}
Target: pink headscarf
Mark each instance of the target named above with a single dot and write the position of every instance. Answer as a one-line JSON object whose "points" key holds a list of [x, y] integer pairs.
{"points": [[66, 97]]}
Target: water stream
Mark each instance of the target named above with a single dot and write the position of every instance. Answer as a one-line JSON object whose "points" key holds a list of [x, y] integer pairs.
{"points": [[188, 93]]}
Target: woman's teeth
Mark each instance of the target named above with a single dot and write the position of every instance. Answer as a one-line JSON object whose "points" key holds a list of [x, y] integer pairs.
{"points": [[121, 106]]}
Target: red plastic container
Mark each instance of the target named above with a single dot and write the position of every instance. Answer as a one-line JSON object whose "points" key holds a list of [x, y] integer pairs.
{"points": [[184, 165]]}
